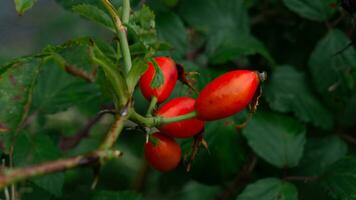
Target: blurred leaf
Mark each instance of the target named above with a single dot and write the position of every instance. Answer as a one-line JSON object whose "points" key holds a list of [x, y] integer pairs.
{"points": [[269, 189], [225, 157], [278, 139], [229, 46], [317, 10], [193, 191], [227, 29], [287, 91], [340, 179], [23, 5], [56, 91], [108, 195], [95, 14], [38, 149], [320, 153], [347, 117], [223, 15], [17, 80], [171, 29], [69, 4], [331, 73]]}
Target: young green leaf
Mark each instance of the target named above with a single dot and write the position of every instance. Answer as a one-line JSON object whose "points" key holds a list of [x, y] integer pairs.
{"points": [[158, 78], [138, 68], [269, 189], [276, 138], [23, 5]]}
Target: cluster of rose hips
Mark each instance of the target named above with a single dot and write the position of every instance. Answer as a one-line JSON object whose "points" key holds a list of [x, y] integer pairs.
{"points": [[222, 97]]}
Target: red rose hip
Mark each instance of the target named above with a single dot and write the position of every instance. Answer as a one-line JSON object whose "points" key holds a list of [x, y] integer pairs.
{"points": [[162, 152], [227, 94], [183, 129], [170, 74]]}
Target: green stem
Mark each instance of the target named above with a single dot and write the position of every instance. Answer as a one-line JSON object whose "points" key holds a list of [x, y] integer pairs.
{"points": [[125, 11], [178, 118], [114, 132], [157, 121], [151, 106], [121, 31]]}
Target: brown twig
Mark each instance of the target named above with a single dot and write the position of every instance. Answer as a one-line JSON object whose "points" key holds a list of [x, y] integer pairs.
{"points": [[348, 138], [305, 179], [89, 77], [67, 143], [10, 176], [241, 179]]}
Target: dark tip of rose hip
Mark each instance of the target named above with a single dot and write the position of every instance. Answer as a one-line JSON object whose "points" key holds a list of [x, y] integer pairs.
{"points": [[262, 76]]}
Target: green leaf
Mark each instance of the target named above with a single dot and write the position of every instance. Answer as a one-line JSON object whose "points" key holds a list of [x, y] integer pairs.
{"points": [[227, 30], [223, 15], [158, 78], [138, 68], [278, 139], [94, 13], [56, 91], [225, 157], [142, 28], [330, 72], [38, 149], [171, 29], [287, 91], [228, 46], [317, 10], [269, 189], [112, 73], [340, 179], [123, 195], [320, 153], [17, 80], [23, 5]]}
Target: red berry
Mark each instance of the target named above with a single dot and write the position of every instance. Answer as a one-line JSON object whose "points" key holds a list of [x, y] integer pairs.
{"points": [[227, 94], [162, 152], [183, 129], [170, 74]]}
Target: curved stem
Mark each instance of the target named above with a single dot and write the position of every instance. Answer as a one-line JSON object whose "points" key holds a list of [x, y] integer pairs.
{"points": [[125, 11], [178, 118], [121, 31], [115, 130], [152, 106], [157, 121]]}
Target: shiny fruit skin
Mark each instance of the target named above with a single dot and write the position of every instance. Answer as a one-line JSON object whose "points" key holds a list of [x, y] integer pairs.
{"points": [[170, 74], [227, 94], [183, 129], [165, 154]]}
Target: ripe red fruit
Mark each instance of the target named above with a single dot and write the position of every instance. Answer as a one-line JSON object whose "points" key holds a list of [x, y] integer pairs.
{"points": [[162, 152], [227, 94], [170, 74], [183, 129]]}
